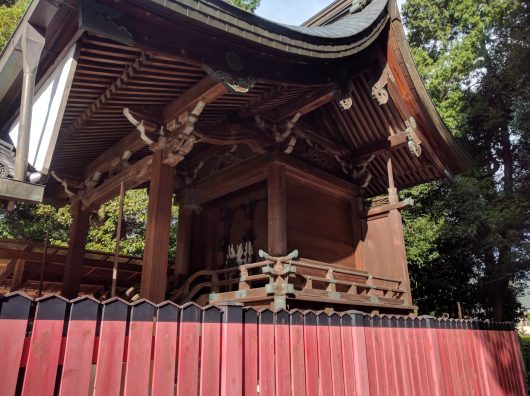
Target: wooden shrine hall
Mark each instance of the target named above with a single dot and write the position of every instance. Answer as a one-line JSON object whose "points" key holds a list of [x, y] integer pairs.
{"points": [[284, 146]]}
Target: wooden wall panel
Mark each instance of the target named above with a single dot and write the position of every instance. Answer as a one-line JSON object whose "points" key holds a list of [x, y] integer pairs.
{"points": [[208, 228], [319, 225]]}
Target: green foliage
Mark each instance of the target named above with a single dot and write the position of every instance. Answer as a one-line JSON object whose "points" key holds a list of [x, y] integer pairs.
{"points": [[10, 13], [247, 5], [102, 234], [32, 221], [468, 240]]}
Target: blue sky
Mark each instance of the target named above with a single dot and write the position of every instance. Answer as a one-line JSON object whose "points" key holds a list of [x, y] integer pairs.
{"points": [[292, 12]]}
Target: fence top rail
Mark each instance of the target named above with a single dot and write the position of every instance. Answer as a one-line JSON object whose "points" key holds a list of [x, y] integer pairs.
{"points": [[18, 305]]}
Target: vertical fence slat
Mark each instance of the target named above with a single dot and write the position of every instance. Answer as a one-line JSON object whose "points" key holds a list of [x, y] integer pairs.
{"points": [[387, 353], [296, 337], [404, 354], [478, 346], [517, 353], [77, 364], [282, 353], [432, 352], [472, 356], [14, 311], [373, 364], [210, 352], [348, 351], [110, 349], [447, 358], [311, 353], [424, 369], [232, 351], [266, 353], [506, 359], [165, 350], [138, 366], [335, 343], [250, 352], [360, 361], [188, 350], [324, 354], [400, 371], [45, 346]]}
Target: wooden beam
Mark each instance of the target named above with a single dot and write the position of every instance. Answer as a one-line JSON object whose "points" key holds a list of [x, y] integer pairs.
{"points": [[392, 143], [76, 250], [234, 133], [61, 259], [277, 210], [387, 208], [206, 90], [131, 143], [303, 105], [233, 179], [131, 177], [154, 267]]}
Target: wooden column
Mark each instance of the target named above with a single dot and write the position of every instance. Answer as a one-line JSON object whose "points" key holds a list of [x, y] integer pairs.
{"points": [[359, 232], [182, 254], [154, 267], [18, 276], [392, 190], [396, 225], [277, 210], [76, 250]]}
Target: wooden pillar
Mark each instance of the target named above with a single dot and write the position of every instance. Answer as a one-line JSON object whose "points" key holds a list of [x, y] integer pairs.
{"points": [[154, 267], [182, 254], [359, 232], [76, 250], [392, 190], [398, 238], [18, 275], [277, 210]]}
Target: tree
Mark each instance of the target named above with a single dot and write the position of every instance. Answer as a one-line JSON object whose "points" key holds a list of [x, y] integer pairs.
{"points": [[468, 240], [247, 5], [10, 13], [31, 222]]}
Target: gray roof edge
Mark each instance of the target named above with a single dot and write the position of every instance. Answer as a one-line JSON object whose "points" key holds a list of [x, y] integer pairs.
{"points": [[340, 38]]}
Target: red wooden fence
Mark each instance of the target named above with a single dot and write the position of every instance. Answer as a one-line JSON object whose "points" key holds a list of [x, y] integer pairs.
{"points": [[81, 347]]}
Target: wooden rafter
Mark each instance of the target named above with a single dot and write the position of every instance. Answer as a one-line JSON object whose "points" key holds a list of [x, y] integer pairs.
{"points": [[131, 143], [303, 105], [133, 69]]}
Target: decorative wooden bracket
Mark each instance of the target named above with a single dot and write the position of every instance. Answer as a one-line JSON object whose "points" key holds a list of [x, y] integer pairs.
{"points": [[178, 146], [379, 91], [343, 97], [69, 193], [235, 84], [413, 141], [358, 5], [280, 132]]}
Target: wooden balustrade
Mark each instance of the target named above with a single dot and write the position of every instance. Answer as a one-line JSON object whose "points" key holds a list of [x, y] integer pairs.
{"points": [[276, 281]]}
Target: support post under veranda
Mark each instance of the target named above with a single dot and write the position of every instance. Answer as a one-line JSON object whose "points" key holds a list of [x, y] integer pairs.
{"points": [[118, 239]]}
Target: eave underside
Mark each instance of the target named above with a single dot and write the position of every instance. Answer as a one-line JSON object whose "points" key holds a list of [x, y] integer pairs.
{"points": [[111, 76]]}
